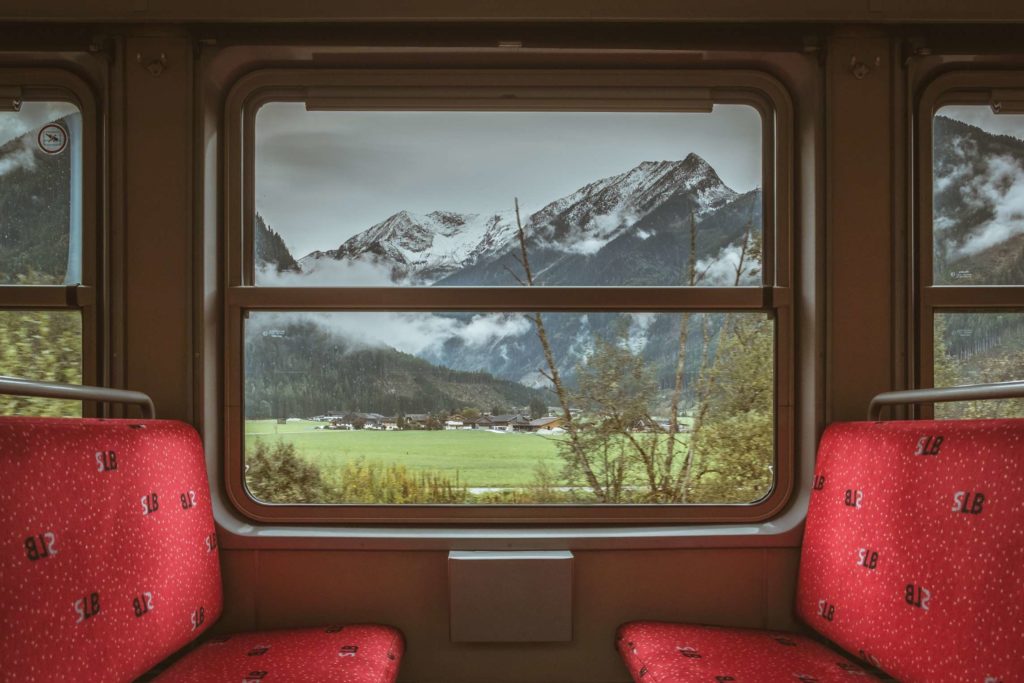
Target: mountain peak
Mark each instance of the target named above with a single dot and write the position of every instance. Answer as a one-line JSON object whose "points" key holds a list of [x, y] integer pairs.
{"points": [[589, 218], [697, 162]]}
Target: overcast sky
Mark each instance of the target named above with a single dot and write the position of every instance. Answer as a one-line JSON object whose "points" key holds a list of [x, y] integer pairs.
{"points": [[322, 177]]}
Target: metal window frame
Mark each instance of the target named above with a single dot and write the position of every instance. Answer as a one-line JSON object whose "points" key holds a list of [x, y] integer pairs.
{"points": [[59, 85], [961, 87], [532, 90]]}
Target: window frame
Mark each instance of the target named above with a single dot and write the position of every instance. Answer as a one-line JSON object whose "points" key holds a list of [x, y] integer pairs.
{"points": [[533, 90], [59, 85], [959, 87]]}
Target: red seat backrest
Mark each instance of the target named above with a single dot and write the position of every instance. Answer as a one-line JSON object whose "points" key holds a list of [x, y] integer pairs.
{"points": [[913, 554], [109, 560]]}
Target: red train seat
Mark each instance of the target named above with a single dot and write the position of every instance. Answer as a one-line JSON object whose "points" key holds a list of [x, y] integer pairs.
{"points": [[354, 654], [110, 564], [656, 652], [913, 559]]}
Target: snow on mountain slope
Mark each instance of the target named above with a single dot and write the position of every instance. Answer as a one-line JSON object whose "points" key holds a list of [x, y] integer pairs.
{"points": [[420, 248]]}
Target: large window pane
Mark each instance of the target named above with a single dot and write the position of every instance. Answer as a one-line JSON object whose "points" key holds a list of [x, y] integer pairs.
{"points": [[41, 345], [427, 198], [976, 348], [978, 197], [465, 407], [40, 195]]}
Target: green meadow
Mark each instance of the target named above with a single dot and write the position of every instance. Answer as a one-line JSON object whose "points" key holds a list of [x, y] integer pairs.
{"points": [[480, 458]]}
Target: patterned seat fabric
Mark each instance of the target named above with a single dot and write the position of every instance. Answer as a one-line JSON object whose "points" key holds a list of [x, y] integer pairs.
{"points": [[109, 560], [657, 652], [109, 564], [347, 654], [913, 555], [913, 559]]}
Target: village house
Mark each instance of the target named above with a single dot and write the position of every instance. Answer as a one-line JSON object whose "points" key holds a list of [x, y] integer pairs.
{"points": [[416, 420], [356, 421], [503, 423], [546, 423]]}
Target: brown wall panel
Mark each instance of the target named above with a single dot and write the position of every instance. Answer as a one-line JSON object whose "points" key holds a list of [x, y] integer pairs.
{"points": [[157, 314], [859, 230]]}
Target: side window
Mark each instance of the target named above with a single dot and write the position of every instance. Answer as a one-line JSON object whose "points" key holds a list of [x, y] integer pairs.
{"points": [[44, 274], [974, 235]]}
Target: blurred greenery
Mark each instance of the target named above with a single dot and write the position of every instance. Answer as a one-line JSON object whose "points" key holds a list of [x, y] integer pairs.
{"points": [[41, 345]]}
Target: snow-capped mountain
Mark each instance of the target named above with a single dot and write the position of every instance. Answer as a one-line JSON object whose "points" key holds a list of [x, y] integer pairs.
{"points": [[589, 218], [421, 248], [430, 248]]}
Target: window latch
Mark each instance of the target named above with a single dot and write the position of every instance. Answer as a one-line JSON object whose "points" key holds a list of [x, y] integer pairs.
{"points": [[1007, 101], [10, 98]]}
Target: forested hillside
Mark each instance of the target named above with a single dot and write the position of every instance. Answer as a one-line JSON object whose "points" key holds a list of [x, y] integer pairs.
{"points": [[271, 251], [302, 370]]}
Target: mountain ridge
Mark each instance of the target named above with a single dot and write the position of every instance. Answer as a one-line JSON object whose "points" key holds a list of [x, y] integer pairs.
{"points": [[426, 248]]}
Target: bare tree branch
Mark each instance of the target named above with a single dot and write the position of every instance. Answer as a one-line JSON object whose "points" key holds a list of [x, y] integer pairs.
{"points": [[576, 447]]}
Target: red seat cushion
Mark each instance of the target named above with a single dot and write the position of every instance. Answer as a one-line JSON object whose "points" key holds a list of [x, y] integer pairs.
{"points": [[349, 654], [657, 652], [109, 558], [913, 555]]}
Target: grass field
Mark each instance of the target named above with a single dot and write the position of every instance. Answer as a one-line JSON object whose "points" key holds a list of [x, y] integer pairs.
{"points": [[481, 459]]}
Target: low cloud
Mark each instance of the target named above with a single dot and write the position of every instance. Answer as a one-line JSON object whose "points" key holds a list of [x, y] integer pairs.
{"points": [[720, 270], [418, 334], [1000, 189], [21, 158], [587, 246], [327, 272], [591, 237], [485, 330], [637, 337]]}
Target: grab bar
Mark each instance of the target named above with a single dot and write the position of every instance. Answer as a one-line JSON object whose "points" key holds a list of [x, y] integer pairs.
{"points": [[16, 386], [967, 392]]}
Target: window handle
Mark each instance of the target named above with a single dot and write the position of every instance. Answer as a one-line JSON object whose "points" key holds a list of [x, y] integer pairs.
{"points": [[1007, 101], [10, 98]]}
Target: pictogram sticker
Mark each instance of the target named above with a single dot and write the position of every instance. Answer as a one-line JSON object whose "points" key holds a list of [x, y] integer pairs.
{"points": [[53, 138]]}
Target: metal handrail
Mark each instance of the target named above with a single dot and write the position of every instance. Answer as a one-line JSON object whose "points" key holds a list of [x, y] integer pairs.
{"points": [[16, 386], [967, 392]]}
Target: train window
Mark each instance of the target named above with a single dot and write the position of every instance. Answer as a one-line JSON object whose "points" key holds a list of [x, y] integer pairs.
{"points": [[45, 306], [974, 224], [483, 297]]}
